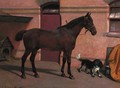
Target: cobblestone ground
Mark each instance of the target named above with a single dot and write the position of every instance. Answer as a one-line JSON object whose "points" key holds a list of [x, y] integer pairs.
{"points": [[49, 73]]}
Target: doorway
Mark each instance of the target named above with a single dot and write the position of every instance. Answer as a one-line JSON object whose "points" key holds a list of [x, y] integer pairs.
{"points": [[50, 20]]}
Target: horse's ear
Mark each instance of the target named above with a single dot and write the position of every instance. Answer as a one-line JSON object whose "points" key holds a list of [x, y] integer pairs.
{"points": [[88, 14]]}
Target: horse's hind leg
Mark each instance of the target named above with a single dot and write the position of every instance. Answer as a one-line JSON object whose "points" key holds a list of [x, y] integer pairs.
{"points": [[63, 65], [32, 58], [24, 57]]}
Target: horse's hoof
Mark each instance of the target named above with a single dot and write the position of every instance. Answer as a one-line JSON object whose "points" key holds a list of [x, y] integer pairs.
{"points": [[71, 77], [63, 75], [23, 76], [36, 75]]}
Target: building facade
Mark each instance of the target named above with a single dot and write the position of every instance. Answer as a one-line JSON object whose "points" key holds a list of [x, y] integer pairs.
{"points": [[102, 11]]}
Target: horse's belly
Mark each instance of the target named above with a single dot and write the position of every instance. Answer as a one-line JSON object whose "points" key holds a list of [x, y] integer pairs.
{"points": [[50, 43], [51, 47]]}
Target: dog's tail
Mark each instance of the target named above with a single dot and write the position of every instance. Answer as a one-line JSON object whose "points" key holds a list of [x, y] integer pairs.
{"points": [[78, 57]]}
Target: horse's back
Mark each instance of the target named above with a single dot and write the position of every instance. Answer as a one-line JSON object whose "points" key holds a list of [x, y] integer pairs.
{"points": [[41, 38]]}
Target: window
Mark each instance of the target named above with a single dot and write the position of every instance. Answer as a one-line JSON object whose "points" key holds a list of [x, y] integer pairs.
{"points": [[115, 17], [114, 20]]}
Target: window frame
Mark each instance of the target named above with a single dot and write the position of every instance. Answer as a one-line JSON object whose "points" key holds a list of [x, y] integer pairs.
{"points": [[110, 33], [115, 18]]}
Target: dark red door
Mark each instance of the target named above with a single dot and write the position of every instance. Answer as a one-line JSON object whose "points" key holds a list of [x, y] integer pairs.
{"points": [[50, 22]]}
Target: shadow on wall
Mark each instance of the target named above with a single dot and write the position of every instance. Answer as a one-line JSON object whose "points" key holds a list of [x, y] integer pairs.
{"points": [[10, 29]]}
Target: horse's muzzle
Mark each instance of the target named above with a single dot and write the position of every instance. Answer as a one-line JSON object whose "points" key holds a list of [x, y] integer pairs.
{"points": [[94, 32]]}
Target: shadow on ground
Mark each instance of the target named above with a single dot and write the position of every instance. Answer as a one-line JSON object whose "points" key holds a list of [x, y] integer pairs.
{"points": [[16, 70]]}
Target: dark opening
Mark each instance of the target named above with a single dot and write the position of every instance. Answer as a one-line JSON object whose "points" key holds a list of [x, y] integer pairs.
{"points": [[50, 8], [6, 52]]}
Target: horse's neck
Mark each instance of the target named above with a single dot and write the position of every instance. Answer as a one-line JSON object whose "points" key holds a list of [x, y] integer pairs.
{"points": [[75, 31]]}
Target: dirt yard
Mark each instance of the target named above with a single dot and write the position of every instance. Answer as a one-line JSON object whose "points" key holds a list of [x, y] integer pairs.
{"points": [[49, 73]]}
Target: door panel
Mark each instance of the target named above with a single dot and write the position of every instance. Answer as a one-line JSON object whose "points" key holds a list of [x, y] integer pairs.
{"points": [[50, 22]]}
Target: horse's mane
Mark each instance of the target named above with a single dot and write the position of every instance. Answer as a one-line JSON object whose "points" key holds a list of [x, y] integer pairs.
{"points": [[72, 23]]}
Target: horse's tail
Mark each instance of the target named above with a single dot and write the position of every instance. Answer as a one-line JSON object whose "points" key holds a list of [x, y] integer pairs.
{"points": [[19, 35]]}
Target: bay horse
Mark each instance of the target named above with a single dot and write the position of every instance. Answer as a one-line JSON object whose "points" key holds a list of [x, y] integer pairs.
{"points": [[62, 39]]}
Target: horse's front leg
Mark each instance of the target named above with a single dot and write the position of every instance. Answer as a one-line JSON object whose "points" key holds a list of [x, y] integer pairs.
{"points": [[63, 64], [69, 64], [24, 57]]}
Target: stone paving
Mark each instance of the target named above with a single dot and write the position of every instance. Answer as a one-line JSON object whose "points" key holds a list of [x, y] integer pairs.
{"points": [[49, 73]]}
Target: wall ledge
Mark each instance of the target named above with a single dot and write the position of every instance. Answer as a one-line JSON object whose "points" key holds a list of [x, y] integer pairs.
{"points": [[111, 34]]}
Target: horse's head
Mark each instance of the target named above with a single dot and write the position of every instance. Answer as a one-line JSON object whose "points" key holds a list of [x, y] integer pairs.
{"points": [[88, 24]]}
